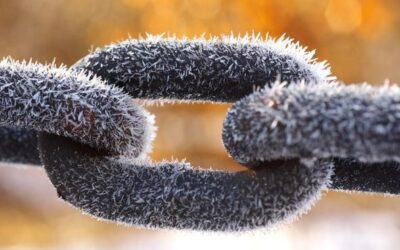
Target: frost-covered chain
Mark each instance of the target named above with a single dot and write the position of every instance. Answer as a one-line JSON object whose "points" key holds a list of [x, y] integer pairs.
{"points": [[315, 120], [176, 195], [172, 194], [357, 127], [134, 190], [223, 69], [74, 105]]}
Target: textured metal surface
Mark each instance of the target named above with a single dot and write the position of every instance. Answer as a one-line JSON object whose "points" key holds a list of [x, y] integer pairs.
{"points": [[279, 131]]}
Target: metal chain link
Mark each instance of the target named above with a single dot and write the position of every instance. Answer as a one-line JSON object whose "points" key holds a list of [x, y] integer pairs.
{"points": [[299, 139]]}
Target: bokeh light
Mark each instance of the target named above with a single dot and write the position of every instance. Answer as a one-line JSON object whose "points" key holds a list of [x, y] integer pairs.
{"points": [[359, 38]]}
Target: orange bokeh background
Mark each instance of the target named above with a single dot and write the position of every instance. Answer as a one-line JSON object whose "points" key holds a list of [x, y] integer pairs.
{"points": [[359, 38]]}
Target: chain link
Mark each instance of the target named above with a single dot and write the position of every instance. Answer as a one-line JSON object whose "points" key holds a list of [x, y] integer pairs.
{"points": [[298, 139]]}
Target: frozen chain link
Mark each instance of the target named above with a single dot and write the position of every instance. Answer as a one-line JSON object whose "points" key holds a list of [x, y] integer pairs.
{"points": [[173, 194], [354, 126], [64, 102]]}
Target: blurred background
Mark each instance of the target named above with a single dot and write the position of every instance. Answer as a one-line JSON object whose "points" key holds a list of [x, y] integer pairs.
{"points": [[359, 38]]}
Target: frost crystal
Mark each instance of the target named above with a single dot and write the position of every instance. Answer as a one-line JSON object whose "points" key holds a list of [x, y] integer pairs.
{"points": [[63, 102], [315, 120], [222, 69]]}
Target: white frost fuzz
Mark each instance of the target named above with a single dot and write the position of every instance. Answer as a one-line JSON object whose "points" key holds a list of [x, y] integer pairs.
{"points": [[315, 120], [220, 69], [63, 102]]}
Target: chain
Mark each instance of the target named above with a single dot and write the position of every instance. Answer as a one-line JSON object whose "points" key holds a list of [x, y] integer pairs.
{"points": [[297, 131]]}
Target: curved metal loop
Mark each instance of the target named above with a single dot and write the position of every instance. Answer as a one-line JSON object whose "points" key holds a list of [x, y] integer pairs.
{"points": [[174, 195], [359, 123], [67, 103], [221, 69]]}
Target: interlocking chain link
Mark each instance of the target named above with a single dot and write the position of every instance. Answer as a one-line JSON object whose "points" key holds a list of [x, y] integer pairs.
{"points": [[296, 136]]}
